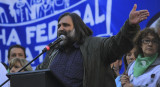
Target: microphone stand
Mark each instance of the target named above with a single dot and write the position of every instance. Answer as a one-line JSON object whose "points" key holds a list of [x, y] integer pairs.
{"points": [[43, 51], [25, 66]]}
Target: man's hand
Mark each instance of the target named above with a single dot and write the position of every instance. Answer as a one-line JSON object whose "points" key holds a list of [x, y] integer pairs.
{"points": [[136, 17]]}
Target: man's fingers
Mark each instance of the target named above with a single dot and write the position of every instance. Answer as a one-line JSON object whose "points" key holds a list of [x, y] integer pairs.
{"points": [[143, 16], [134, 7], [143, 11]]}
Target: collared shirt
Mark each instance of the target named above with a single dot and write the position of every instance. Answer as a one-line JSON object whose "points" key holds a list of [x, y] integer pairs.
{"points": [[148, 79], [68, 67]]}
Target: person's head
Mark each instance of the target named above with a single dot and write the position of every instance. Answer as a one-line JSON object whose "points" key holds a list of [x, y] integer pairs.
{"points": [[16, 51], [129, 57], [17, 63], [73, 27], [147, 42]]}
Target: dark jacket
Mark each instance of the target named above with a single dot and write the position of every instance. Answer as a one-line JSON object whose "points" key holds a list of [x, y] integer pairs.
{"points": [[98, 53]]}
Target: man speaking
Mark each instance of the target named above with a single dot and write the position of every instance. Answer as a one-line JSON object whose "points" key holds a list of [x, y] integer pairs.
{"points": [[81, 60]]}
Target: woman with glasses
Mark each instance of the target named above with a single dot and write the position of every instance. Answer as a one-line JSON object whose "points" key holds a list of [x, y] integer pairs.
{"points": [[145, 71]]}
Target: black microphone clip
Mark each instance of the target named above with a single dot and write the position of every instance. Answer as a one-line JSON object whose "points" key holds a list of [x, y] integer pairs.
{"points": [[52, 44]]}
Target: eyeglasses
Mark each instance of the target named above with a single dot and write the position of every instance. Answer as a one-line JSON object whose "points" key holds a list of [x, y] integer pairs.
{"points": [[147, 41]]}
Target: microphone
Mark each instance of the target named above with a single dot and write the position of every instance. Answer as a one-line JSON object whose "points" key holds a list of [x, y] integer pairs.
{"points": [[59, 39], [52, 44]]}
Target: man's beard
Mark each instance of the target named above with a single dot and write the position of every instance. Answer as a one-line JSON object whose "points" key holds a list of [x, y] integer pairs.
{"points": [[69, 40]]}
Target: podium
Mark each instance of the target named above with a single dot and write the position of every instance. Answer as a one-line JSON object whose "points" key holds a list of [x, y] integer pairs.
{"points": [[38, 78]]}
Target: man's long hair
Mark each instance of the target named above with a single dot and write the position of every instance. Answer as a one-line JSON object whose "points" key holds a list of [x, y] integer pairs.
{"points": [[81, 29]]}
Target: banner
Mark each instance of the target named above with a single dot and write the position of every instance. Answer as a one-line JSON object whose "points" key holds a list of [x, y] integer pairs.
{"points": [[33, 23]]}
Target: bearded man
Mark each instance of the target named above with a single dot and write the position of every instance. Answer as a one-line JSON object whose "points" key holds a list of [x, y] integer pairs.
{"points": [[82, 60]]}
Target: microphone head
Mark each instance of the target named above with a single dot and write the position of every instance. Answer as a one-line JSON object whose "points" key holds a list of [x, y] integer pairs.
{"points": [[63, 37], [64, 40]]}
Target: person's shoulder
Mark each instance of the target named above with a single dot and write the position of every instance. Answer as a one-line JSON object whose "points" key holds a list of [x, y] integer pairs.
{"points": [[157, 61]]}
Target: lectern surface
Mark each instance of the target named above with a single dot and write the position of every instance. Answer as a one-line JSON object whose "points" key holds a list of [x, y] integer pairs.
{"points": [[38, 78]]}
